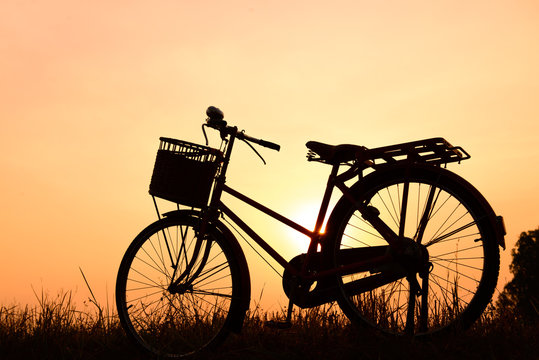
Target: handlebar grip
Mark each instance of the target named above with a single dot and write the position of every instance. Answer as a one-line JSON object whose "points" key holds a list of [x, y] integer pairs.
{"points": [[270, 145]]}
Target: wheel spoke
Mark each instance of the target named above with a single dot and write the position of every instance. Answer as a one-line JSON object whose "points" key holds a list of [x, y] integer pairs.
{"points": [[392, 212], [441, 238]]}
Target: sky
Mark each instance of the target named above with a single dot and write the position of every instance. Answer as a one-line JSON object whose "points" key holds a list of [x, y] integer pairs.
{"points": [[87, 88]]}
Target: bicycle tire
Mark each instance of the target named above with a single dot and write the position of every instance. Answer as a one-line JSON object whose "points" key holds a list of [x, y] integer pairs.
{"points": [[176, 324], [460, 240]]}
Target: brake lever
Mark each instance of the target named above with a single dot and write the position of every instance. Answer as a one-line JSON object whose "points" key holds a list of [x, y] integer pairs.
{"points": [[252, 148]]}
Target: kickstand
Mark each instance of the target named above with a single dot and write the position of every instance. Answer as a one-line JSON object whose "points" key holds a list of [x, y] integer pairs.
{"points": [[280, 324]]}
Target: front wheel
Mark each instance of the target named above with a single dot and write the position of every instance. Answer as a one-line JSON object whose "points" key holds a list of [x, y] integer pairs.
{"points": [[177, 294], [449, 271]]}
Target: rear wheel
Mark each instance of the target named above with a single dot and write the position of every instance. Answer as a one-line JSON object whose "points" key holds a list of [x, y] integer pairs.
{"points": [[450, 269], [173, 300]]}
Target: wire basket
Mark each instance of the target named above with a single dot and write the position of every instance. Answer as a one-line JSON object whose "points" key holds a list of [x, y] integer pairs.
{"points": [[184, 172]]}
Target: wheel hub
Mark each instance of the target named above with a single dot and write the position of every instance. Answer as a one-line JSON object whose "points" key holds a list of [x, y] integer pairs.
{"points": [[414, 257], [180, 288]]}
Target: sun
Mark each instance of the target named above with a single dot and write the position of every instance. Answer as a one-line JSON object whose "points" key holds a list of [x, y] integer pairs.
{"points": [[304, 214]]}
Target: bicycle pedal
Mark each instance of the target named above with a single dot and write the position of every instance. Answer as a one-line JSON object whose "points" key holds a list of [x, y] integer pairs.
{"points": [[281, 325]]}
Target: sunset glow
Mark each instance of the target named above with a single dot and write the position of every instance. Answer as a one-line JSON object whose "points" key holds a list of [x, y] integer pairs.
{"points": [[87, 89]]}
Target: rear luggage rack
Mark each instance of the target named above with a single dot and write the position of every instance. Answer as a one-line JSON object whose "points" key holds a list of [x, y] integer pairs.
{"points": [[434, 151]]}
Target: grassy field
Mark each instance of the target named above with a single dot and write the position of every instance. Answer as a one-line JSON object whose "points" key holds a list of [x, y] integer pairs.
{"points": [[55, 329]]}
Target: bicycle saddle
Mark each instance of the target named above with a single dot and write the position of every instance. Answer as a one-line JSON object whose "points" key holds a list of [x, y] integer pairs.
{"points": [[333, 154]]}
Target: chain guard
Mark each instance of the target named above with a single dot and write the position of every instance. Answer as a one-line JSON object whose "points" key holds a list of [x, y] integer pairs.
{"points": [[306, 294]]}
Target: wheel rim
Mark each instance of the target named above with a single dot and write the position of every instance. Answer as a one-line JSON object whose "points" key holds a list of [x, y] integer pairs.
{"points": [[177, 321], [453, 239]]}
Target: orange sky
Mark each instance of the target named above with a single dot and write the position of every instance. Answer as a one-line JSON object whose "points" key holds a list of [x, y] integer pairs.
{"points": [[87, 89]]}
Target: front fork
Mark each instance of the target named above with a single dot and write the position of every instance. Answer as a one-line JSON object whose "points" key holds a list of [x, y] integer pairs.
{"points": [[184, 282]]}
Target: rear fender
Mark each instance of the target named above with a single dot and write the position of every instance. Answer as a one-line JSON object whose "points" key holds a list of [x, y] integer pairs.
{"points": [[357, 188]]}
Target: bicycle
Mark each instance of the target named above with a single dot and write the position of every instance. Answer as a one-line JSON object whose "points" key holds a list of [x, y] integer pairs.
{"points": [[410, 248]]}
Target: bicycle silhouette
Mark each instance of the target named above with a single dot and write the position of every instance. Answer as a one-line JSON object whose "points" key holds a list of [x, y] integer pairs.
{"points": [[409, 249]]}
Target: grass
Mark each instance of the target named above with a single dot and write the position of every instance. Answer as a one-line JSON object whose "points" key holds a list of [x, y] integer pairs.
{"points": [[55, 329]]}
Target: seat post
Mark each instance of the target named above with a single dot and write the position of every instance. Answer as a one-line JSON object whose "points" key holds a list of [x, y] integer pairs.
{"points": [[316, 238], [324, 207], [327, 196]]}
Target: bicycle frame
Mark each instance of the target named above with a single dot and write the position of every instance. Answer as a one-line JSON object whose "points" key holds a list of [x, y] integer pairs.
{"points": [[409, 249], [334, 180]]}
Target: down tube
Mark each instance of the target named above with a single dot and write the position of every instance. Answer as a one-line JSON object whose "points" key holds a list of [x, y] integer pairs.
{"points": [[264, 245]]}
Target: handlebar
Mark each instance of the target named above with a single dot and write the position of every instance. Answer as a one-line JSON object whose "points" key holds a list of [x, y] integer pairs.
{"points": [[216, 121], [241, 135]]}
